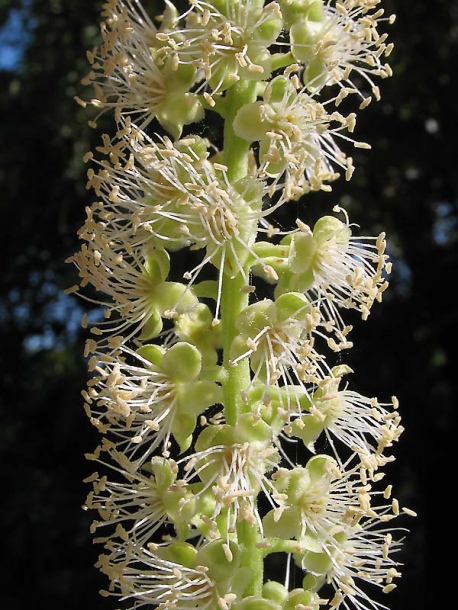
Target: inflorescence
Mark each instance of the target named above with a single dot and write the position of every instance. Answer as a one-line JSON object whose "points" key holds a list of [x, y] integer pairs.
{"points": [[229, 429]]}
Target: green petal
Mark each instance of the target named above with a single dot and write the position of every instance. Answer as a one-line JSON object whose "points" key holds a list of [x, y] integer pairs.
{"points": [[182, 362]]}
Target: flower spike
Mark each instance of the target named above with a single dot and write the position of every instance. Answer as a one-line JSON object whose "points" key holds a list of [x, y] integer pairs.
{"points": [[216, 368]]}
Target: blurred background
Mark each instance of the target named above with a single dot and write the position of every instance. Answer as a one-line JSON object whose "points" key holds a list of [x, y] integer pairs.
{"points": [[406, 185]]}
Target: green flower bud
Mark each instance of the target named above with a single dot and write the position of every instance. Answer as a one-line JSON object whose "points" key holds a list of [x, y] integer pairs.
{"points": [[221, 558], [291, 305], [275, 591], [299, 598], [250, 123], [182, 362], [295, 11], [181, 553], [153, 353], [256, 603]]}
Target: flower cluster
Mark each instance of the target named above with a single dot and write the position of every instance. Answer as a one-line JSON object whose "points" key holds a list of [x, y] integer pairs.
{"points": [[229, 427]]}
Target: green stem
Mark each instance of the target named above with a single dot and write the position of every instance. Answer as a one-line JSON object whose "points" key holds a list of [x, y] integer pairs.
{"points": [[252, 556], [233, 301], [236, 150]]}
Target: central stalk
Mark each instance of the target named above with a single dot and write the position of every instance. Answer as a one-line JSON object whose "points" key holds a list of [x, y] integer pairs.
{"points": [[234, 299]]}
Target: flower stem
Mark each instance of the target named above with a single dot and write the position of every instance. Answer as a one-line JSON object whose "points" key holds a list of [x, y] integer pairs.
{"points": [[252, 556], [233, 298], [233, 301], [236, 150]]}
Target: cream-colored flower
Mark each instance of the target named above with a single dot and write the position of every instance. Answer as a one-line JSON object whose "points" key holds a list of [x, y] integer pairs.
{"points": [[297, 138], [226, 41], [140, 401], [127, 75], [334, 268], [343, 46]]}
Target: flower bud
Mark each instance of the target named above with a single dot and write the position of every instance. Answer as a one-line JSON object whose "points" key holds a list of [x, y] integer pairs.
{"points": [[298, 598], [254, 602], [275, 591], [182, 362], [153, 353], [221, 558], [291, 305], [174, 297], [181, 553], [297, 11]]}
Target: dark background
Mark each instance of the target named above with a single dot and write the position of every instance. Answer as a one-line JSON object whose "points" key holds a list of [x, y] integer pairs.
{"points": [[406, 185]]}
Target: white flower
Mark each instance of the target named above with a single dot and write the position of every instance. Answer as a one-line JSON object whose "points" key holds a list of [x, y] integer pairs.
{"points": [[135, 293], [343, 47], [364, 425], [279, 339], [167, 195], [360, 556], [140, 404], [232, 465], [140, 505], [148, 580], [127, 75], [336, 269], [177, 576], [313, 501], [227, 43], [298, 138]]}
